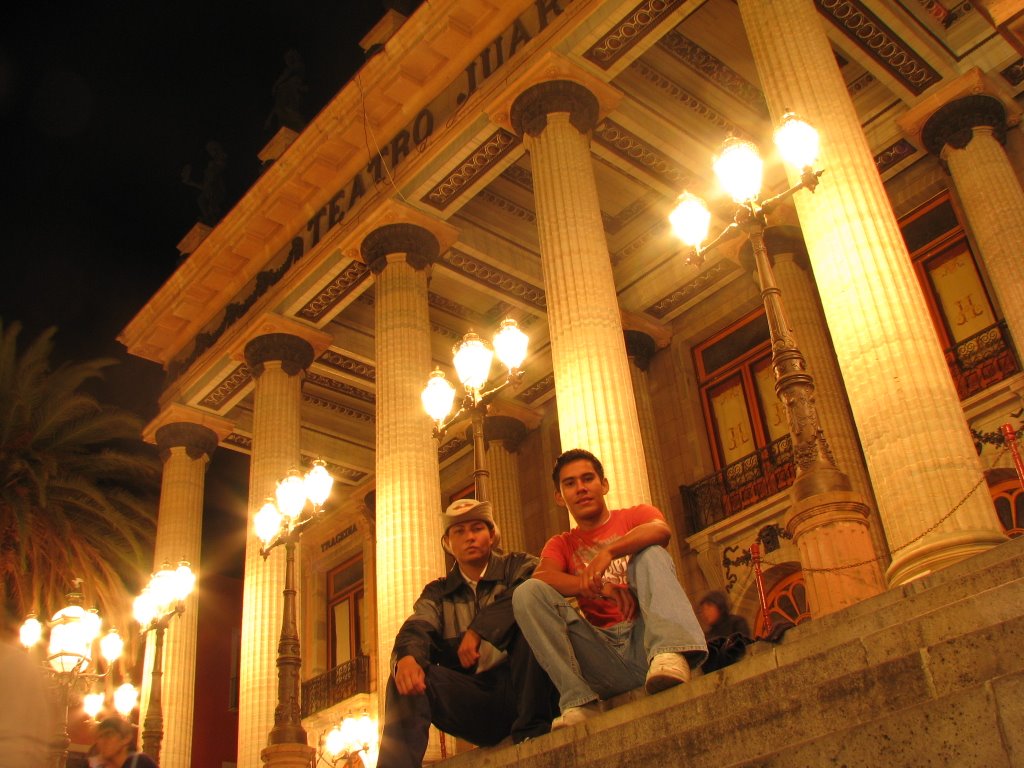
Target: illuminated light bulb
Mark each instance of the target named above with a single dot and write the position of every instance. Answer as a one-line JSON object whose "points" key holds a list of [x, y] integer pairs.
{"points": [[739, 169], [438, 396], [690, 219], [510, 344], [472, 360]]}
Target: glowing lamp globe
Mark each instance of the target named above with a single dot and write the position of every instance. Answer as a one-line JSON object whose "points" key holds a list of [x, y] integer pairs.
{"points": [[797, 141], [268, 521], [291, 494], [739, 169], [690, 219], [438, 396], [472, 360], [510, 344], [318, 483]]}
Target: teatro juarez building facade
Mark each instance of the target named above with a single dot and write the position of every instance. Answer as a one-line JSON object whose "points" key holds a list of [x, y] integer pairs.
{"points": [[519, 158]]}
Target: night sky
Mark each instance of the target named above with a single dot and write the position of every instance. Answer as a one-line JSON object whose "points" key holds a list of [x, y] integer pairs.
{"points": [[101, 106]]}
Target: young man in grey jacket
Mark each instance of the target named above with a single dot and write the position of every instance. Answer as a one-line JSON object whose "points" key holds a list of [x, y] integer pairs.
{"points": [[459, 660]]}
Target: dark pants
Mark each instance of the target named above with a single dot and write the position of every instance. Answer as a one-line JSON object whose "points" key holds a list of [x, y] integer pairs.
{"points": [[516, 699]]}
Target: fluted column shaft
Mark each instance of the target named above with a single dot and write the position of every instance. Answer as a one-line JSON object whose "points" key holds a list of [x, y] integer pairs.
{"points": [[639, 349], [185, 449], [503, 434], [276, 361], [596, 409], [994, 203], [408, 492], [919, 452]]}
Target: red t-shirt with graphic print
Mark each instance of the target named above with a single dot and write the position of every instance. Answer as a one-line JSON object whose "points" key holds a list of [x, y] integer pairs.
{"points": [[572, 550]]}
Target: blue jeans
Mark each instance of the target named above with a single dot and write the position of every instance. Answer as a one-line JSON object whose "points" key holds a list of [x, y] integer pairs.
{"points": [[587, 662]]}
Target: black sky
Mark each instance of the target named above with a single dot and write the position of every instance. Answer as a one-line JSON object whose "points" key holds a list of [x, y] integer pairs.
{"points": [[101, 106]]}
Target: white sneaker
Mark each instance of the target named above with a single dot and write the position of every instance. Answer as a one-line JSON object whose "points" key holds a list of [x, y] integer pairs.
{"points": [[666, 671], [576, 715]]}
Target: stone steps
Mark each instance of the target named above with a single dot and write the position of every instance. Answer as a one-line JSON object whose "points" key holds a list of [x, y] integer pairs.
{"points": [[926, 674]]}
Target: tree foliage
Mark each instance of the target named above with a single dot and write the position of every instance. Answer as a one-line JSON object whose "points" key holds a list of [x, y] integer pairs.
{"points": [[77, 486]]}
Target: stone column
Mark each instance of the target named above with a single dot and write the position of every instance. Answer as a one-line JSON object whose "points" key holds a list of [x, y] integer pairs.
{"points": [[276, 361], [408, 490], [918, 449], [969, 134], [640, 347], [185, 449], [503, 435], [596, 409]]}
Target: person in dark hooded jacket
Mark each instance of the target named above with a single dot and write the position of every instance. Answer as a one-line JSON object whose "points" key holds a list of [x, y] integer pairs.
{"points": [[713, 611], [460, 661]]}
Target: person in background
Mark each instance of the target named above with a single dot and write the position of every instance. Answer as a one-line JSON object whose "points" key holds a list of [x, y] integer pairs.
{"points": [[115, 746], [713, 610]]}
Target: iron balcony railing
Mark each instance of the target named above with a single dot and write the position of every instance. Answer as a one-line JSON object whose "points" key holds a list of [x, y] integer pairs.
{"points": [[982, 360], [739, 485], [334, 685]]}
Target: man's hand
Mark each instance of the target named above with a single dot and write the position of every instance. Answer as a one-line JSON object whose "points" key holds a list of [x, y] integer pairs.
{"points": [[591, 580], [409, 677], [469, 649], [622, 596]]}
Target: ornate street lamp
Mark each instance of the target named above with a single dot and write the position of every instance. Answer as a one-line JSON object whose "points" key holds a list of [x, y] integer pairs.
{"points": [[74, 633], [739, 169], [472, 358], [299, 501], [161, 600], [352, 743]]}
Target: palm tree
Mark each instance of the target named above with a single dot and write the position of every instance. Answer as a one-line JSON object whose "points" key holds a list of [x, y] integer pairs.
{"points": [[77, 486]]}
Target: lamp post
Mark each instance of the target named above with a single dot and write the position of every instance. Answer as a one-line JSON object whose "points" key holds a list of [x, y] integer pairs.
{"points": [[828, 518], [473, 358], [354, 739], [739, 169], [161, 600], [73, 635], [299, 501]]}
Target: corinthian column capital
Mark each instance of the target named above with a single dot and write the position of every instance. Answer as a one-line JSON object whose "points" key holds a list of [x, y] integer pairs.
{"points": [[294, 353], [419, 245], [530, 110]]}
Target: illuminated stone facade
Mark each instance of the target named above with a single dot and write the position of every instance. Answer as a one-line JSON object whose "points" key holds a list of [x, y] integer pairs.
{"points": [[524, 155]]}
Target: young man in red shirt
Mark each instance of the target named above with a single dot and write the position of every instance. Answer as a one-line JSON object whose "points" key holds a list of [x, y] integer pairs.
{"points": [[635, 626]]}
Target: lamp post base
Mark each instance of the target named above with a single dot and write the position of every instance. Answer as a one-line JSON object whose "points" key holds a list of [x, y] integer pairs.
{"points": [[288, 756]]}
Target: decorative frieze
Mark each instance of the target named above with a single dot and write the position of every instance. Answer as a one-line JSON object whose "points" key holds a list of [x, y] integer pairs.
{"points": [[492, 277], [708, 277], [522, 177], [537, 390], [629, 30], [470, 168], [637, 152], [713, 69], [341, 387], [349, 365], [872, 36], [507, 206], [893, 154], [448, 449], [227, 389], [346, 281], [672, 90], [240, 441], [1014, 74], [343, 410]]}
